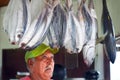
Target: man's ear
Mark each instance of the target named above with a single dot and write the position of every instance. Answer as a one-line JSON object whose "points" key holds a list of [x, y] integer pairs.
{"points": [[30, 62]]}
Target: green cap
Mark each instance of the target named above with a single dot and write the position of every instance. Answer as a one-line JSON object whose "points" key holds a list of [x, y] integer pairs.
{"points": [[39, 51]]}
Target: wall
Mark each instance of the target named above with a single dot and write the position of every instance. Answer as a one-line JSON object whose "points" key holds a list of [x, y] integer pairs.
{"points": [[113, 6], [4, 43]]}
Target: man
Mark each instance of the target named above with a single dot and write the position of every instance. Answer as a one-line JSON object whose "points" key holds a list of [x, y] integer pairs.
{"points": [[40, 63]]}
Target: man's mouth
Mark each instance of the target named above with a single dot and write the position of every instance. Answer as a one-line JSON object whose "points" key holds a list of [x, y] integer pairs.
{"points": [[48, 69]]}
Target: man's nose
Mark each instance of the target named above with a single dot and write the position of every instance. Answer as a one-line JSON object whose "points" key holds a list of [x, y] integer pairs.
{"points": [[50, 60]]}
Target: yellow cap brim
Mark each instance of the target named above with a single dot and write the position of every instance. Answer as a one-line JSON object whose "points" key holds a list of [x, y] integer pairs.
{"points": [[39, 51]]}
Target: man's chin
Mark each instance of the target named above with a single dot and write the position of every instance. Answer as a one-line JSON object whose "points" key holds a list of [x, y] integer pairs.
{"points": [[49, 75]]}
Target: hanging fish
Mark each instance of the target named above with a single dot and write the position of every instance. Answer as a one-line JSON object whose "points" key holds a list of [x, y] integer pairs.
{"points": [[57, 27], [80, 17], [108, 28], [12, 19], [8, 21], [87, 20], [35, 11], [43, 25], [7, 16], [73, 37], [24, 20], [89, 48]]}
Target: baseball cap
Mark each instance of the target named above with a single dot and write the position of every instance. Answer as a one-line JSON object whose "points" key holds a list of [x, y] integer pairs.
{"points": [[39, 51]]}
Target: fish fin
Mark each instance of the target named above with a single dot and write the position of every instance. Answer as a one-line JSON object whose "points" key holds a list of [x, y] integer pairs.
{"points": [[101, 39]]}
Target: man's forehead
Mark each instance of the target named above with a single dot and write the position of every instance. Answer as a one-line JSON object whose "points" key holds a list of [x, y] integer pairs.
{"points": [[47, 53]]}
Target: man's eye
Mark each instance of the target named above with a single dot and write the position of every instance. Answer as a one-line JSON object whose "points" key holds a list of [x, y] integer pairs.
{"points": [[44, 57], [52, 57]]}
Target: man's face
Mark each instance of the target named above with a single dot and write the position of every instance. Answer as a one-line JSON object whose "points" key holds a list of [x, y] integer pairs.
{"points": [[43, 65]]}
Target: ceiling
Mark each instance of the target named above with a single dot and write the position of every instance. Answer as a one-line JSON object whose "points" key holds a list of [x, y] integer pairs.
{"points": [[3, 3]]}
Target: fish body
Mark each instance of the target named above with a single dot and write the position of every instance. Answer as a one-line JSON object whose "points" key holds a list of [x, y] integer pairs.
{"points": [[35, 15], [109, 41], [68, 40], [19, 27], [40, 32], [43, 26], [7, 21], [67, 43], [80, 17], [57, 28], [7, 15], [15, 20], [10, 20], [87, 20], [24, 19], [73, 37], [89, 52]]}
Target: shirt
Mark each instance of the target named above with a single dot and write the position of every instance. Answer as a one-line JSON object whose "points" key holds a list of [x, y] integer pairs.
{"points": [[25, 78]]}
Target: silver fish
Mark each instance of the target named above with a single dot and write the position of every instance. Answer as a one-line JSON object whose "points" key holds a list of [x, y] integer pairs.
{"points": [[73, 39], [57, 28], [24, 19], [35, 11], [12, 14], [7, 16], [43, 26], [89, 52], [80, 17], [87, 20]]}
